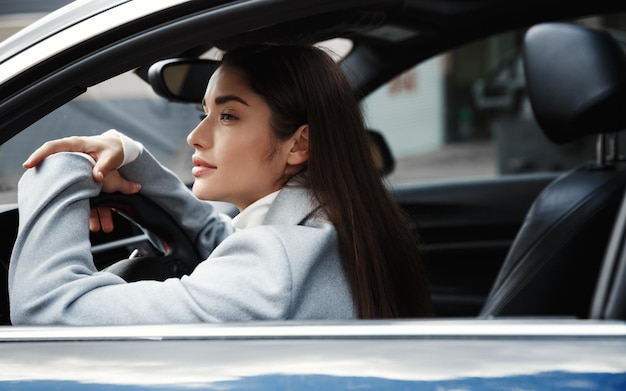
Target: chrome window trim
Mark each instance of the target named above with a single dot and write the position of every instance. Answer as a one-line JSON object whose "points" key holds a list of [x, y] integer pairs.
{"points": [[418, 329]]}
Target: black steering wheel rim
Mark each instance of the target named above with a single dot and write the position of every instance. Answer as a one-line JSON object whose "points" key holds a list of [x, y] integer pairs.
{"points": [[180, 256]]}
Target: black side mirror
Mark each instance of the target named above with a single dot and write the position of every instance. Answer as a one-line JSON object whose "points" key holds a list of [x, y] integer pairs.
{"points": [[181, 79]]}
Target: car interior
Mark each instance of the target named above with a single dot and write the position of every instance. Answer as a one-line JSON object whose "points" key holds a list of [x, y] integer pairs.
{"points": [[525, 245], [552, 266]]}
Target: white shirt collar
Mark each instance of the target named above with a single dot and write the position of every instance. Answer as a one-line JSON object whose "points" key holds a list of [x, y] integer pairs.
{"points": [[254, 214]]}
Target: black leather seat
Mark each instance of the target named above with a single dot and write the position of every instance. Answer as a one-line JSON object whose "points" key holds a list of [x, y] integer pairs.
{"points": [[576, 81]]}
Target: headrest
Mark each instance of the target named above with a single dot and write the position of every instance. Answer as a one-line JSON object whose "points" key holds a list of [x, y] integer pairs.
{"points": [[576, 80]]}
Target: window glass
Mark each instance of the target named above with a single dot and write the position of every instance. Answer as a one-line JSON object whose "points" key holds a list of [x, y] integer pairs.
{"points": [[466, 114]]}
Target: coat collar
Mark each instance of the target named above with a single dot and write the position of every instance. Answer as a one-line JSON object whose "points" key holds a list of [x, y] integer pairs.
{"points": [[292, 206]]}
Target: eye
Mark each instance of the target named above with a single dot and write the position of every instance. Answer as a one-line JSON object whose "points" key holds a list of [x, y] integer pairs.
{"points": [[227, 117], [203, 116]]}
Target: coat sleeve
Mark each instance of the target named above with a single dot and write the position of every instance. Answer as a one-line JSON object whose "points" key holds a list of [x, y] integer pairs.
{"points": [[52, 278]]}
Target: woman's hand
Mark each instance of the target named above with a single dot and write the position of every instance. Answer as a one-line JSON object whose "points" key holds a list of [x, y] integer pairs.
{"points": [[106, 149]]}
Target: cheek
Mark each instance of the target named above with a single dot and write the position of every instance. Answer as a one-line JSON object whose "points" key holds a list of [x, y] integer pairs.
{"points": [[257, 150], [249, 148]]}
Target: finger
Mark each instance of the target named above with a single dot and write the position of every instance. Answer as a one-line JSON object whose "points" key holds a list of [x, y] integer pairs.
{"points": [[106, 219], [106, 163], [68, 144], [94, 220]]}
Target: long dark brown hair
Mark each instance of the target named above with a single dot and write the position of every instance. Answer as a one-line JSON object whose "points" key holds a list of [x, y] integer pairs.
{"points": [[303, 85]]}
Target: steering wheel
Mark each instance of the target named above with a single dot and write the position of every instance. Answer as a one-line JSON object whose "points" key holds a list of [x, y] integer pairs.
{"points": [[160, 250]]}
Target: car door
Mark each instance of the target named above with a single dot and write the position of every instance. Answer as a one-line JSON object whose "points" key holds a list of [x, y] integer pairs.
{"points": [[465, 229]]}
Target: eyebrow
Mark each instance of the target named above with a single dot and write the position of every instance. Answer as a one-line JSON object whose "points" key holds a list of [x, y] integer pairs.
{"points": [[220, 100]]}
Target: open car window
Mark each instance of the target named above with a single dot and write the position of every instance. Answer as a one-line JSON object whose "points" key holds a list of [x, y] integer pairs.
{"points": [[125, 103]]}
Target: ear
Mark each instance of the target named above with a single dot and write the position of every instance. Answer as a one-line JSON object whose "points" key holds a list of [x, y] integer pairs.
{"points": [[299, 153]]}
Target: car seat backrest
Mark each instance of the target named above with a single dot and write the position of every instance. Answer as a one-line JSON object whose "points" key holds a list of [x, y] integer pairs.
{"points": [[576, 81], [576, 84]]}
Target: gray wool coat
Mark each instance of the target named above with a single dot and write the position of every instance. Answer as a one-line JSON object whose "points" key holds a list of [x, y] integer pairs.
{"points": [[287, 268]]}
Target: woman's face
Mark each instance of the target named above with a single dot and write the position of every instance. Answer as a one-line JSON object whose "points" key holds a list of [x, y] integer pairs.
{"points": [[235, 160]]}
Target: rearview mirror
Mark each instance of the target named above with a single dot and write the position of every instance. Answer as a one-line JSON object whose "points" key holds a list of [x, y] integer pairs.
{"points": [[181, 79]]}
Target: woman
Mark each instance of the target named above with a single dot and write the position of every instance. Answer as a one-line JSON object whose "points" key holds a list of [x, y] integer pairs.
{"points": [[282, 138]]}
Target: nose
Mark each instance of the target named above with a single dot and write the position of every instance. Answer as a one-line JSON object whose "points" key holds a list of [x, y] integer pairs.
{"points": [[199, 138]]}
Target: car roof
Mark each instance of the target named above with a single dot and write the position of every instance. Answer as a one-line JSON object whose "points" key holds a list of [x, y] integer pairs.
{"points": [[388, 24], [94, 40]]}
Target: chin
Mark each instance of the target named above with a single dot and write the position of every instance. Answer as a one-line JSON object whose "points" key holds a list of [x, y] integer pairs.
{"points": [[197, 191], [202, 193]]}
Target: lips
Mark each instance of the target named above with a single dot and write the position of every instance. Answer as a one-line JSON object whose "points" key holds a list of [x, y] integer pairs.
{"points": [[200, 166]]}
